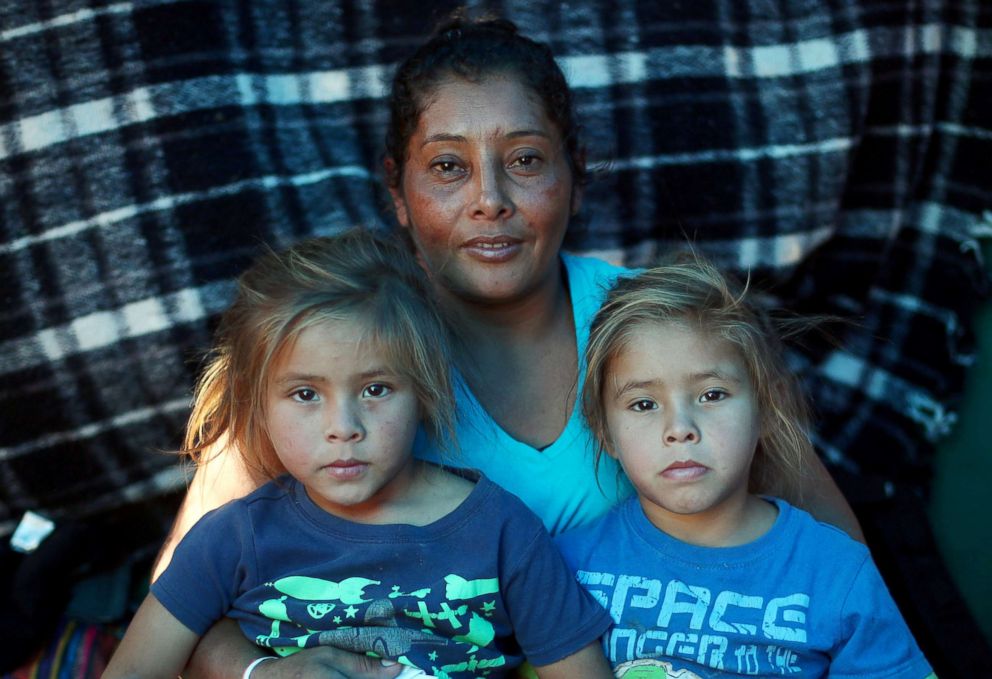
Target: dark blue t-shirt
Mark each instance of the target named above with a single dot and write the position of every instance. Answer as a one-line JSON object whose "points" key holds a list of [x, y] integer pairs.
{"points": [[473, 593]]}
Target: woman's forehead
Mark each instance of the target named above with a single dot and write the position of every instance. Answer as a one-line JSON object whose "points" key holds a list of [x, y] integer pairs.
{"points": [[496, 105]]}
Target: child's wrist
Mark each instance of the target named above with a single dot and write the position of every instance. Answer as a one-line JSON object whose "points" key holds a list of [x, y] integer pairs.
{"points": [[255, 663]]}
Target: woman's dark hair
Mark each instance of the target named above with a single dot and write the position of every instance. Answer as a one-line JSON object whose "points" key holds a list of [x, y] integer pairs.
{"points": [[474, 49]]}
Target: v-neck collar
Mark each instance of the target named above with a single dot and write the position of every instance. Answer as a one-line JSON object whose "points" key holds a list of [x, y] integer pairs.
{"points": [[568, 433]]}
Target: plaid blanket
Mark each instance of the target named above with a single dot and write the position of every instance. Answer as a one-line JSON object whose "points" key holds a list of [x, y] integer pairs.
{"points": [[839, 151]]}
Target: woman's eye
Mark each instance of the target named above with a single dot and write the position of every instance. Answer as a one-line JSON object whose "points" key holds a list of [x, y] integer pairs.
{"points": [[643, 405], [711, 395], [376, 391], [445, 167], [526, 161], [304, 395]]}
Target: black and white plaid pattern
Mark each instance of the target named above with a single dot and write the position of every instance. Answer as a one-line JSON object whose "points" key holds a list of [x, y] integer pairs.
{"points": [[840, 151]]}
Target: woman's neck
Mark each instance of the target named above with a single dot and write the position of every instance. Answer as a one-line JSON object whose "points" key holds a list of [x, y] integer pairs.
{"points": [[480, 324], [520, 359]]}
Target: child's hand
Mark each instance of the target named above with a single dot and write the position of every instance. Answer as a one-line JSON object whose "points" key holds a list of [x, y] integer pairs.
{"points": [[326, 662]]}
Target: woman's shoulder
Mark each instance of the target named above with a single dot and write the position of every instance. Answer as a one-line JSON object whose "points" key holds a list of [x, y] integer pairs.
{"points": [[592, 267], [589, 278]]}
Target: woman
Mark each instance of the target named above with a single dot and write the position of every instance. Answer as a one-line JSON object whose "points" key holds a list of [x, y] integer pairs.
{"points": [[485, 170]]}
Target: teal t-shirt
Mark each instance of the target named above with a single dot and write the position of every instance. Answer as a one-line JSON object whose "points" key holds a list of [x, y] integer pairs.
{"points": [[557, 482]]}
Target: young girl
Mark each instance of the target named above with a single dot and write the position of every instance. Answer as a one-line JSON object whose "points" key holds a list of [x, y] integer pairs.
{"points": [[327, 362], [687, 388]]}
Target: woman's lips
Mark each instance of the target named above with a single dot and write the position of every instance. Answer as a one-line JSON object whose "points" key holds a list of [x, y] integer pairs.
{"points": [[684, 470], [344, 470], [492, 248]]}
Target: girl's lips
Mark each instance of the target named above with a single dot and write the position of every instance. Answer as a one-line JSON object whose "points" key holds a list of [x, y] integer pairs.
{"points": [[492, 248], [684, 470], [344, 470]]}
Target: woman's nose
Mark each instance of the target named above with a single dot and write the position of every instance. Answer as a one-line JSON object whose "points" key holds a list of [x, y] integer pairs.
{"points": [[491, 200], [343, 425], [680, 427]]}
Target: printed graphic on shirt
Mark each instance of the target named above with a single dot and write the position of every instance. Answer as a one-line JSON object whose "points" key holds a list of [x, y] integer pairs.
{"points": [[444, 633], [694, 628], [651, 669]]}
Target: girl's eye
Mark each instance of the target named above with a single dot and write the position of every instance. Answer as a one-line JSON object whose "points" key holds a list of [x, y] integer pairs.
{"points": [[376, 391], [643, 405], [304, 395], [711, 395]]}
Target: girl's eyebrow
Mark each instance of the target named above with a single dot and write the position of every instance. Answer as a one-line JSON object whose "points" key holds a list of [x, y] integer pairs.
{"points": [[634, 385], [299, 377], [715, 374], [377, 372], [702, 376], [308, 377]]}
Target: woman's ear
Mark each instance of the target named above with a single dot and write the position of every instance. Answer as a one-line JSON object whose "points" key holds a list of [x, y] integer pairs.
{"points": [[393, 182]]}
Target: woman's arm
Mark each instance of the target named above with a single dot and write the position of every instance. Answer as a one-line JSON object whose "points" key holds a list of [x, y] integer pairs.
{"points": [[822, 498], [156, 645], [589, 663], [224, 653], [220, 477]]}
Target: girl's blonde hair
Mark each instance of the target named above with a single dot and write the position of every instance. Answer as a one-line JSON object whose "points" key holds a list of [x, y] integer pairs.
{"points": [[692, 291], [357, 274]]}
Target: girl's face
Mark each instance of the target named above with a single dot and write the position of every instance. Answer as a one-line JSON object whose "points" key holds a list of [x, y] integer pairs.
{"points": [[684, 422], [342, 421], [487, 191]]}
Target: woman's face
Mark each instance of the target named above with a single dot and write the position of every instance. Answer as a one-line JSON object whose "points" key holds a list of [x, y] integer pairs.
{"points": [[487, 191]]}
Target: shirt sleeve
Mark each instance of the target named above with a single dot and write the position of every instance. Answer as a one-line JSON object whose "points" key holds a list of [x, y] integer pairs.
{"points": [[571, 546], [876, 641], [201, 582], [552, 615]]}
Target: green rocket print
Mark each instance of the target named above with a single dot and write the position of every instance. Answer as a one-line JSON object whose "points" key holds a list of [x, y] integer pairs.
{"points": [[444, 635], [348, 591], [457, 587], [480, 633]]}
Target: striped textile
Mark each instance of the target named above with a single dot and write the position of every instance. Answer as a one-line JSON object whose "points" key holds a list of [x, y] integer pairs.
{"points": [[77, 650], [838, 150]]}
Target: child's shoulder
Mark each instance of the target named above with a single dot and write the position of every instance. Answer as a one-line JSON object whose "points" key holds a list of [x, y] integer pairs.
{"points": [[242, 510], [811, 540], [469, 494], [576, 543], [828, 534], [445, 490]]}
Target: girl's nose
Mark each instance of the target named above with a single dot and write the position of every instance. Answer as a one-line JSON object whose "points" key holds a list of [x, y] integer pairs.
{"points": [[680, 428], [491, 200], [343, 425]]}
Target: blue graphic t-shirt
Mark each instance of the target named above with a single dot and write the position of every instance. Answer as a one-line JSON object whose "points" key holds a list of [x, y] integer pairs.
{"points": [[469, 595], [803, 600]]}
